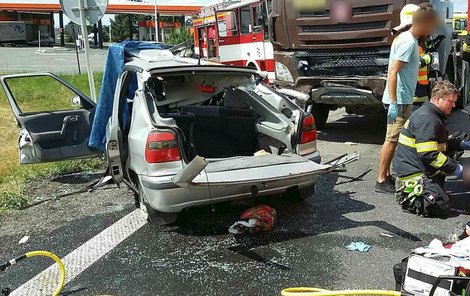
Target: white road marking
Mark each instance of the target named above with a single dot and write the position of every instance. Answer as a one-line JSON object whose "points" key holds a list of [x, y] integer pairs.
{"points": [[84, 256]]}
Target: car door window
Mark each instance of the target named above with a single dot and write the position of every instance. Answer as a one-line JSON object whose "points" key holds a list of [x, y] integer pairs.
{"points": [[42, 93]]}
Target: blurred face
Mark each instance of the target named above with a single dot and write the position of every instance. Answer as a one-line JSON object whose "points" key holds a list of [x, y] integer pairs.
{"points": [[427, 27], [446, 104]]}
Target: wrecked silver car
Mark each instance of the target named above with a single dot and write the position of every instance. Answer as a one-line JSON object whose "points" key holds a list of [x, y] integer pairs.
{"points": [[192, 134]]}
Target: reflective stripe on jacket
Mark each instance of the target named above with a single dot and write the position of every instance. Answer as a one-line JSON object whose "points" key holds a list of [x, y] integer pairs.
{"points": [[423, 71], [422, 144]]}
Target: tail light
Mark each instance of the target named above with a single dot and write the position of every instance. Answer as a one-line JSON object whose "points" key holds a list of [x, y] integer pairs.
{"points": [[309, 131], [161, 147]]}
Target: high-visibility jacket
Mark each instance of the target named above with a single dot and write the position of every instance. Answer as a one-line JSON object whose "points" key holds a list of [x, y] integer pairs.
{"points": [[466, 49], [422, 86], [425, 60], [422, 145]]}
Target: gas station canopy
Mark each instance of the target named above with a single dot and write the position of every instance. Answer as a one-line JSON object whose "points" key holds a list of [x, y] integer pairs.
{"points": [[114, 6]]}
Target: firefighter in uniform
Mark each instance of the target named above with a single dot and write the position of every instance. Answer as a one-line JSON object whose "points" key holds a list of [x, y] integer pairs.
{"points": [[422, 86], [423, 142]]}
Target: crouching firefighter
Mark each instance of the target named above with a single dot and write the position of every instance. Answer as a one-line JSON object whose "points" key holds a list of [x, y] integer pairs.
{"points": [[420, 161]]}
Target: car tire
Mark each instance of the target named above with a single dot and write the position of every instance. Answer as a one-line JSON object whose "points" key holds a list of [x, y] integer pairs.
{"points": [[153, 216], [320, 113]]}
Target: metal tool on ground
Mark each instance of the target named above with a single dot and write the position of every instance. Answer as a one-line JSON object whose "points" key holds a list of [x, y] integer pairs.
{"points": [[60, 286]]}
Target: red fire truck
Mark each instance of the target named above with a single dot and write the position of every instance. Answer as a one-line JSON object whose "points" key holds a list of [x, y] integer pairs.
{"points": [[235, 33]]}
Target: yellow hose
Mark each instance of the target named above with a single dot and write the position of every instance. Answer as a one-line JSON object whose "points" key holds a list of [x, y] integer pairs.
{"points": [[59, 262], [306, 291]]}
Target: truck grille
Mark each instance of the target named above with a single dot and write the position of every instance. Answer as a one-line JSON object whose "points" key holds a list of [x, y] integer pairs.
{"points": [[345, 27], [369, 26], [356, 11], [345, 62]]}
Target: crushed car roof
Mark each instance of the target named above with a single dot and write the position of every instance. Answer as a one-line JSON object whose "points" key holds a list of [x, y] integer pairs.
{"points": [[148, 60]]}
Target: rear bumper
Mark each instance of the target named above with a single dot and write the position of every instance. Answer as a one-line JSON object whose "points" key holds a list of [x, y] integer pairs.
{"points": [[164, 196]]}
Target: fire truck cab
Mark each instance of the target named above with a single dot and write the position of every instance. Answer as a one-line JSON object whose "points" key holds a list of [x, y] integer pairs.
{"points": [[235, 33]]}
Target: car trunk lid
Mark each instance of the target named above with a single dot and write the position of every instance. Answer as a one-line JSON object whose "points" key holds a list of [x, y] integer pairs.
{"points": [[251, 170]]}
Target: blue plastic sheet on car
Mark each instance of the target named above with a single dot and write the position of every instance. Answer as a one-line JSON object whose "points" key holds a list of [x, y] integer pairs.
{"points": [[114, 67]]}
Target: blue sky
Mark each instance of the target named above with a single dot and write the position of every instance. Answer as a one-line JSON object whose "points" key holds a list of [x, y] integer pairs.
{"points": [[460, 5]]}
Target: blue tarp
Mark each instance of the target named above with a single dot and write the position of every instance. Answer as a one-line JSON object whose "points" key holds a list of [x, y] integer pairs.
{"points": [[114, 67]]}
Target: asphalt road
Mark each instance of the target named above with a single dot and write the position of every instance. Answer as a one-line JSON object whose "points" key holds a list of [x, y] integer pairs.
{"points": [[55, 60], [198, 257]]}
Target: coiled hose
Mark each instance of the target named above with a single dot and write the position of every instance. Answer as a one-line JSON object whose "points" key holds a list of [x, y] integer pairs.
{"points": [[307, 291], [44, 254]]}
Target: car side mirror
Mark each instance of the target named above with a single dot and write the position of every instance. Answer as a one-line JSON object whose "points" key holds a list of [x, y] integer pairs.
{"points": [[76, 102]]}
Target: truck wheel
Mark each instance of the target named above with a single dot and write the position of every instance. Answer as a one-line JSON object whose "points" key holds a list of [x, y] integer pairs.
{"points": [[320, 113], [154, 217]]}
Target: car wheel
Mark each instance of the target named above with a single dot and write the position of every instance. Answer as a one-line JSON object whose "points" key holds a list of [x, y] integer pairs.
{"points": [[320, 112], [153, 216]]}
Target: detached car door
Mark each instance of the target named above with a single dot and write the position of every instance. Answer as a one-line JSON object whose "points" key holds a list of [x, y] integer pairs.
{"points": [[55, 118]]}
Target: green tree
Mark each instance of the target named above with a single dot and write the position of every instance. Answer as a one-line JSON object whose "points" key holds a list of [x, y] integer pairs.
{"points": [[178, 36], [120, 26]]}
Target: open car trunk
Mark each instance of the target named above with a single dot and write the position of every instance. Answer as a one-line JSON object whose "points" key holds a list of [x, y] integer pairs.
{"points": [[217, 132], [227, 119]]}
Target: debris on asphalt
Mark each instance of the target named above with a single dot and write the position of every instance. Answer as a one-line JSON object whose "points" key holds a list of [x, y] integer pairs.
{"points": [[259, 218], [358, 246], [351, 143], [23, 240], [386, 235]]}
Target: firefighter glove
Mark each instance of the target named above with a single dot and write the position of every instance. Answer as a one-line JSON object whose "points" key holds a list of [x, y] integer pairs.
{"points": [[458, 141], [392, 111], [427, 58]]}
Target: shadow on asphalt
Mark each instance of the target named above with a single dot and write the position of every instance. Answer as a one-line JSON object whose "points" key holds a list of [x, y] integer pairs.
{"points": [[355, 128], [370, 129], [323, 213], [77, 178]]}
